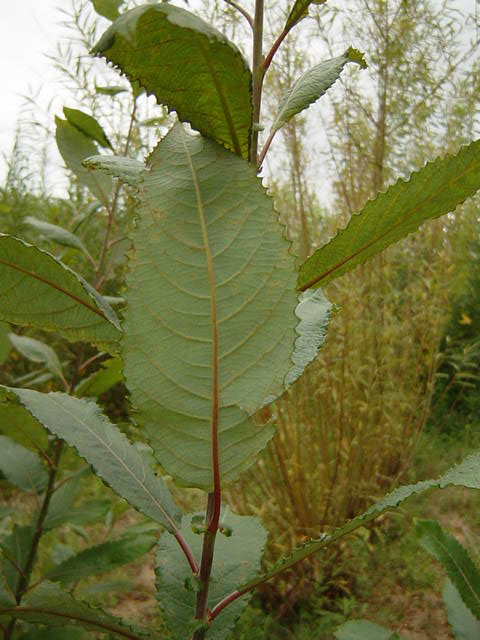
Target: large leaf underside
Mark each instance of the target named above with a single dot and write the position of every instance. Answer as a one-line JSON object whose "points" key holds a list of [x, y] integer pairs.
{"points": [[210, 323], [189, 66]]}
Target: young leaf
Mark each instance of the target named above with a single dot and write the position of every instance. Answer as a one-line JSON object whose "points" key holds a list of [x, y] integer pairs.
{"points": [[431, 192], [49, 604], [205, 354], [83, 426], [465, 474], [189, 66], [455, 559], [126, 170], [103, 557], [36, 289], [87, 125], [300, 11], [463, 623], [236, 559], [22, 467], [107, 8], [364, 630], [37, 351], [74, 147], [56, 234], [312, 85], [102, 380]]}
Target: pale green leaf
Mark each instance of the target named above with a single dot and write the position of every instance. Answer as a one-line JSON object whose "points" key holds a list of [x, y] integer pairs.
{"points": [[55, 233], [87, 125], [463, 623], [107, 8], [49, 604], [36, 289], [22, 467], [83, 426], [102, 558], [126, 170], [299, 11], [364, 630], [5, 344], [189, 66], [74, 147], [466, 474], [112, 91], [431, 192], [312, 85], [109, 374], [456, 561], [37, 351], [209, 324], [236, 559]]}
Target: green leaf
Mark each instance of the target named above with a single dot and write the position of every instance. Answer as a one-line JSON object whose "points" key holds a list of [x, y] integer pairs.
{"points": [[74, 147], [103, 557], [431, 192], [189, 66], [37, 351], [112, 91], [109, 374], [36, 289], [83, 426], [56, 234], [61, 503], [52, 633], [364, 630], [49, 604], [21, 467], [107, 8], [465, 474], [236, 559], [456, 561], [87, 125], [209, 324], [15, 548], [5, 344], [312, 85], [464, 625], [126, 170], [17, 424], [300, 11]]}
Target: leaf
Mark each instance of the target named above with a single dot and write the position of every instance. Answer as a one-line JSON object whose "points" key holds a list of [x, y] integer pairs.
{"points": [[83, 426], [107, 8], [189, 66], [87, 125], [465, 474], [312, 85], [52, 633], [15, 548], [36, 289], [49, 604], [126, 170], [112, 91], [61, 503], [236, 559], [431, 192], [5, 344], [74, 147], [109, 374], [210, 297], [37, 351], [464, 625], [456, 561], [364, 630], [56, 234], [300, 11], [102, 558], [17, 424], [21, 467]]}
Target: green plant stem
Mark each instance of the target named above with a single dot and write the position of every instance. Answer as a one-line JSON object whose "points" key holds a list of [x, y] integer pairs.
{"points": [[32, 555], [201, 608], [258, 74]]}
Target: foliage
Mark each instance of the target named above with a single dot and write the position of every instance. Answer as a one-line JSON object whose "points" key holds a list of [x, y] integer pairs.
{"points": [[214, 330]]}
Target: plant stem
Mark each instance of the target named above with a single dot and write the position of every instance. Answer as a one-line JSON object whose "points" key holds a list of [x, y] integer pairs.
{"points": [[24, 579], [241, 10], [258, 74]]}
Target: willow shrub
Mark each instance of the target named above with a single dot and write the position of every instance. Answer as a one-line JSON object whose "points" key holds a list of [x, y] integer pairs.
{"points": [[217, 325]]}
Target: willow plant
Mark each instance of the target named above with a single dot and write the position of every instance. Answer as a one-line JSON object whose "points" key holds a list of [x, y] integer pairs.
{"points": [[218, 322]]}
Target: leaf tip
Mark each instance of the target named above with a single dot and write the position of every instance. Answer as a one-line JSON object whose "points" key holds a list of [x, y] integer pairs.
{"points": [[354, 55]]}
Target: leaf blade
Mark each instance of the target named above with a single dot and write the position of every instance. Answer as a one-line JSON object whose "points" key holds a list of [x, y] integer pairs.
{"points": [[22, 467]]}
